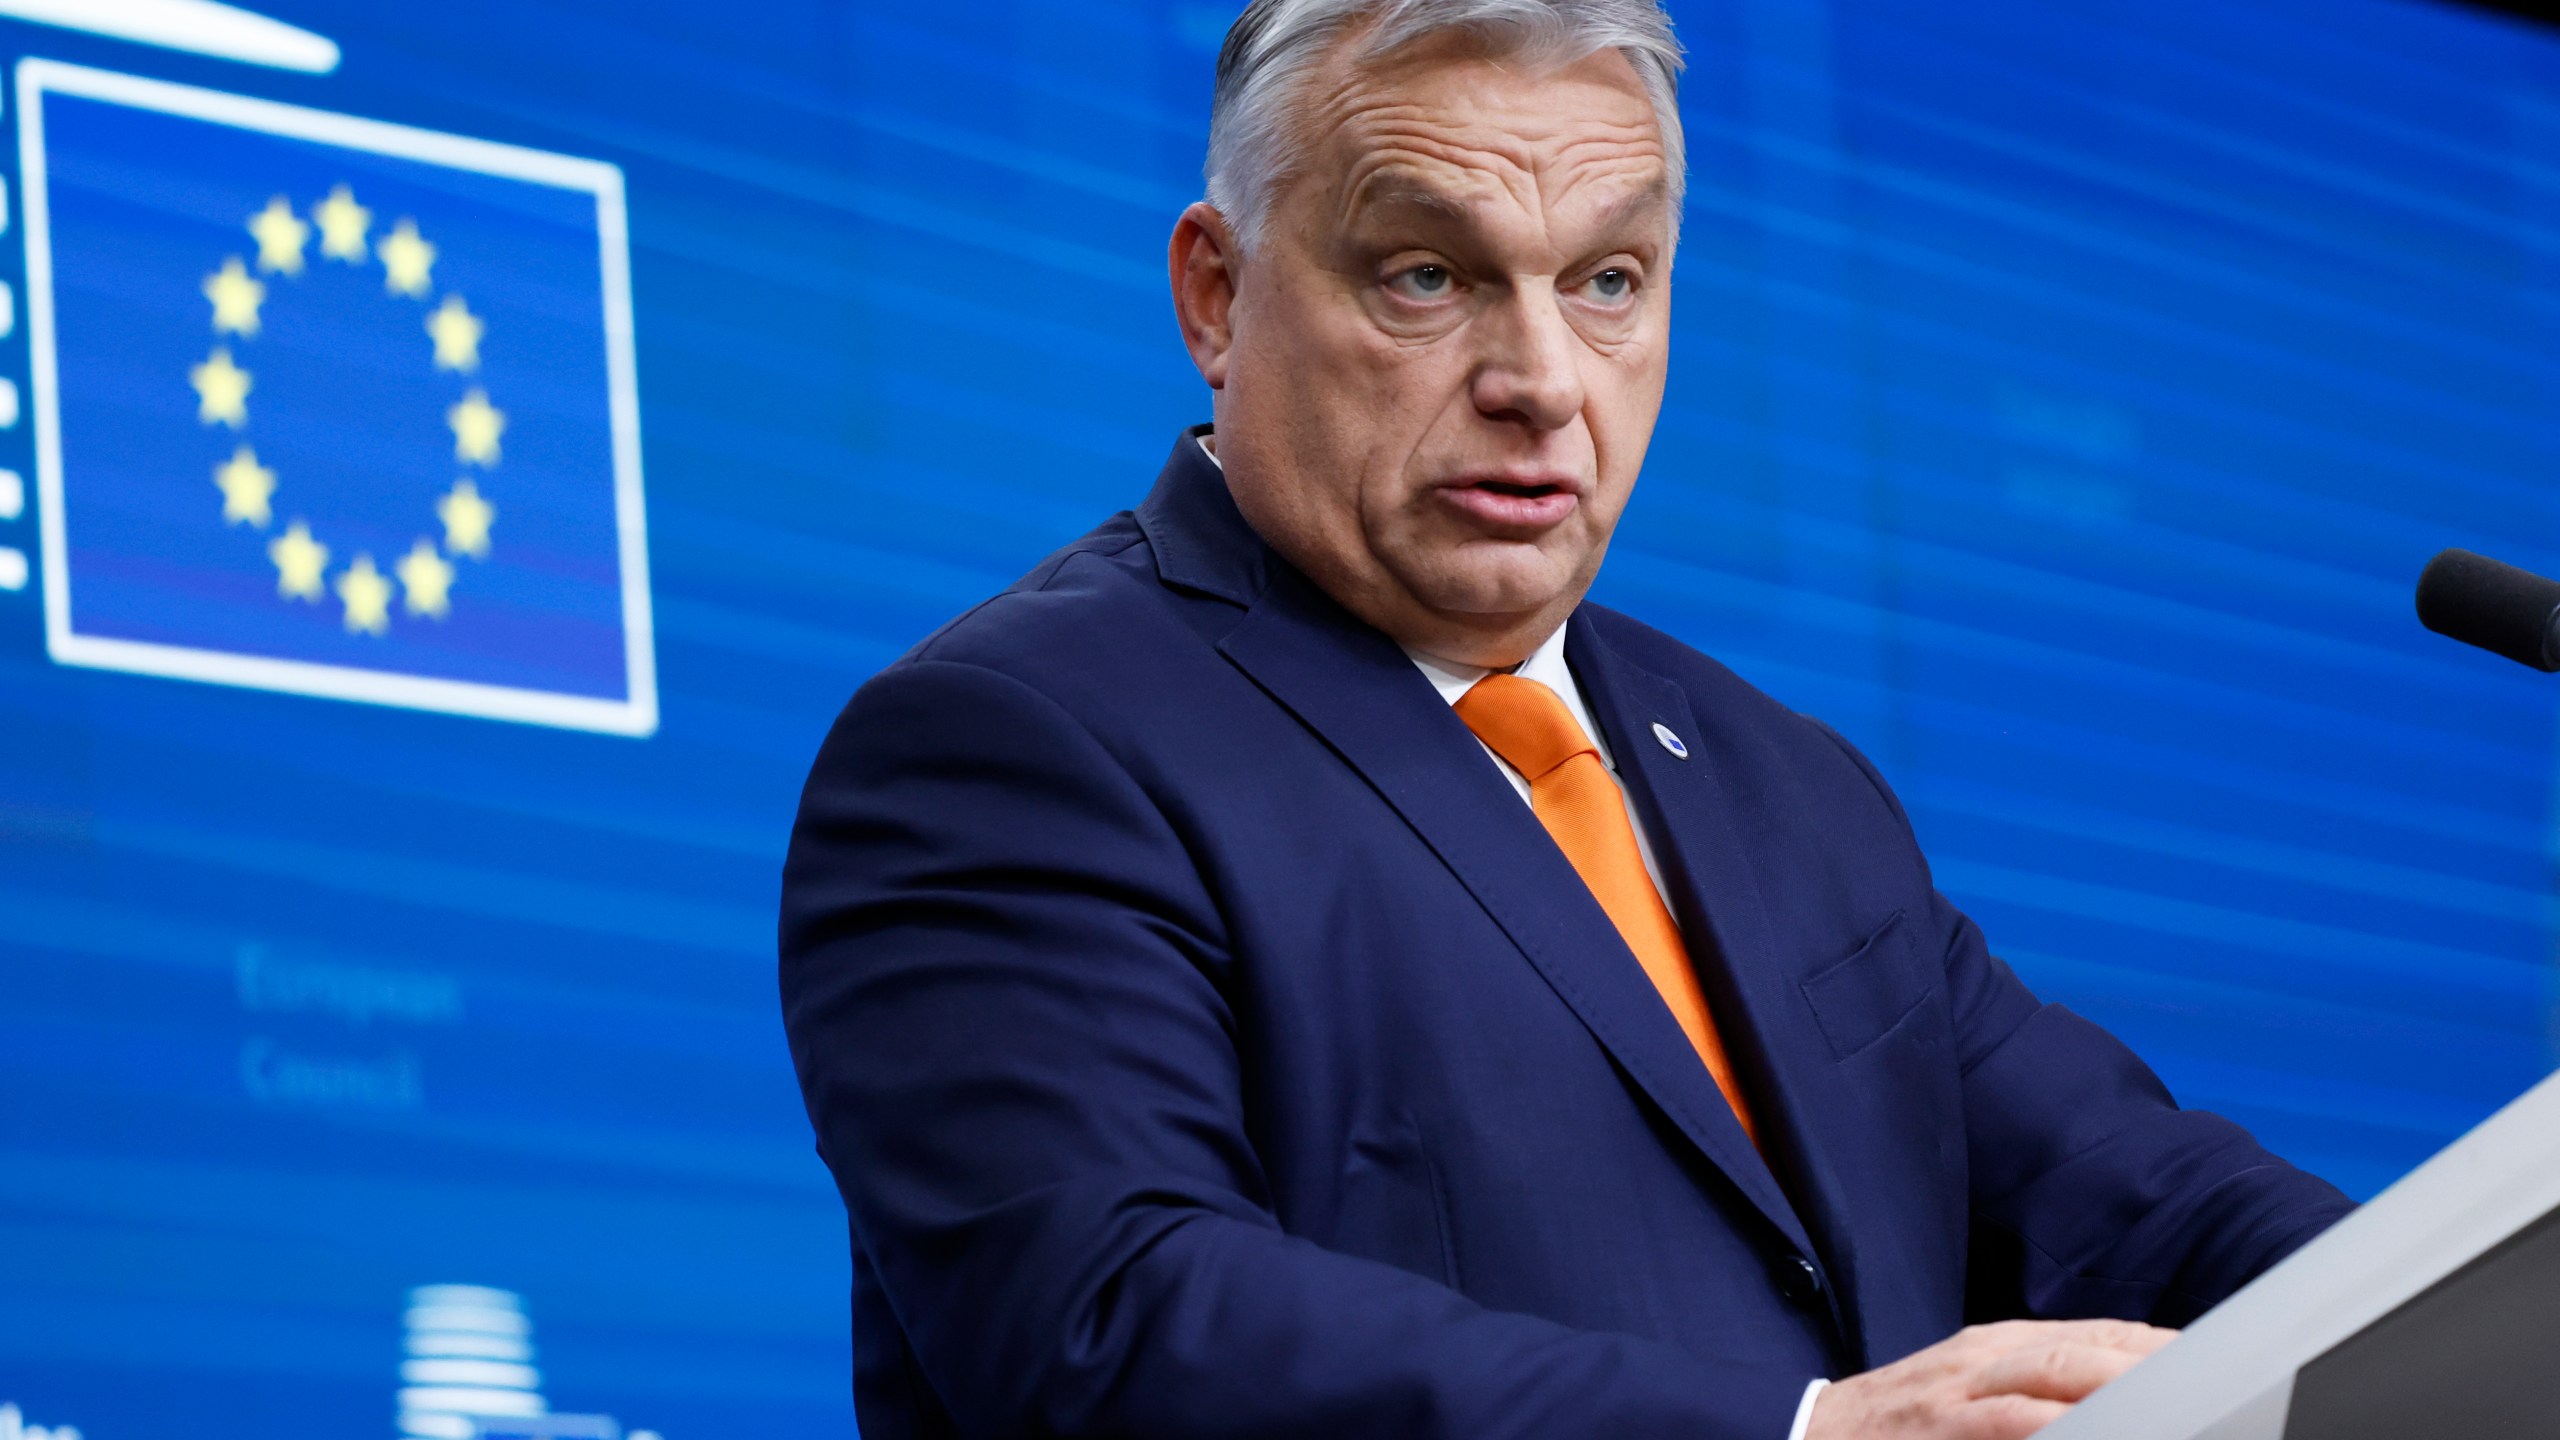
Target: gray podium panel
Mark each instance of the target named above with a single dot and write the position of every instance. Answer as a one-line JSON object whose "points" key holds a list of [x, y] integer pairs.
{"points": [[2476, 1353]]}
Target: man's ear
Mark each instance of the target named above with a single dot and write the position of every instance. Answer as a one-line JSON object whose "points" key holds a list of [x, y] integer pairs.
{"points": [[1202, 262]]}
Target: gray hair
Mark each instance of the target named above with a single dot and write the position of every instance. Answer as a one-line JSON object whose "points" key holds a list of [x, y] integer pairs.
{"points": [[1275, 44]]}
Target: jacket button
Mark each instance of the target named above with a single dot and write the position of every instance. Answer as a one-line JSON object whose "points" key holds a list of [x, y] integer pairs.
{"points": [[1798, 1281]]}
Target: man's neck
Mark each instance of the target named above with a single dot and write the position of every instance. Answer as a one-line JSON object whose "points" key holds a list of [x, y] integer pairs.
{"points": [[1459, 668], [1483, 650]]}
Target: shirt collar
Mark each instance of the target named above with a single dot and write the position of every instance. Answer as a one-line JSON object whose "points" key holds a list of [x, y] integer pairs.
{"points": [[1546, 665]]}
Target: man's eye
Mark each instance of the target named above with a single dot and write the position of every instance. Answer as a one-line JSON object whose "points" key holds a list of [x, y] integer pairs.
{"points": [[1423, 282], [1612, 285]]}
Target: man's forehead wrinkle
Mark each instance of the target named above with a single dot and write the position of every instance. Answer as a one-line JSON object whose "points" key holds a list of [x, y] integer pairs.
{"points": [[1443, 171], [1616, 187], [1396, 153], [1462, 139], [1595, 197], [1432, 177], [1397, 188], [1427, 130], [1523, 138]]}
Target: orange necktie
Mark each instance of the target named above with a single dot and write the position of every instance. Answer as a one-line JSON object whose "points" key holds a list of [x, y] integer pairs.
{"points": [[1578, 801]]}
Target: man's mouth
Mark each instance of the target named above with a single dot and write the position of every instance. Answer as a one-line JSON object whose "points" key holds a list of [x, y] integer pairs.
{"points": [[1514, 504]]}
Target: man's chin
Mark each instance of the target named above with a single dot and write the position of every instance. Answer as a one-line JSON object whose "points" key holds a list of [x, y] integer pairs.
{"points": [[1494, 589]]}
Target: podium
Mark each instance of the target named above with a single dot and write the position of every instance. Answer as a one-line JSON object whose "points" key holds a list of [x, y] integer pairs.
{"points": [[2434, 1310]]}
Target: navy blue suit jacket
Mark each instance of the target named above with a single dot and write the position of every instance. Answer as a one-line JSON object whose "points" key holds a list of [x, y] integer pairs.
{"points": [[1208, 1042]]}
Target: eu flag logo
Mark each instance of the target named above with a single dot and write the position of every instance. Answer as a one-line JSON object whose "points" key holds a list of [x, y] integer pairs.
{"points": [[331, 406]]}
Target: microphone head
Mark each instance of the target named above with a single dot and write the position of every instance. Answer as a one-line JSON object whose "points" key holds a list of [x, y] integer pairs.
{"points": [[2483, 602]]}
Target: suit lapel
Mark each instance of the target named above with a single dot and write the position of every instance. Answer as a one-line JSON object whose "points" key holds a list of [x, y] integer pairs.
{"points": [[1357, 690], [1691, 807]]}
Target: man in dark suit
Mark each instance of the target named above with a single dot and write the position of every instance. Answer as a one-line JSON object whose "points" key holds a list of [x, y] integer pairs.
{"points": [[1289, 967]]}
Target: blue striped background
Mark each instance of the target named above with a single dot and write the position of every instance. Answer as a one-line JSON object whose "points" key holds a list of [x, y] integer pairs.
{"points": [[2066, 398]]}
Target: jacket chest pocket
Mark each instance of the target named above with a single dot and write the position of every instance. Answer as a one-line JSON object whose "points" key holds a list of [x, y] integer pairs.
{"points": [[1858, 1000], [1388, 1204]]}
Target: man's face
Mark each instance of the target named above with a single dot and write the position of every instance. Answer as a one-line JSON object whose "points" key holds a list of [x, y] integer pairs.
{"points": [[1448, 350]]}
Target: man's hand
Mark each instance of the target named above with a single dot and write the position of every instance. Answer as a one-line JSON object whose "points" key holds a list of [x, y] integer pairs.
{"points": [[1991, 1382]]}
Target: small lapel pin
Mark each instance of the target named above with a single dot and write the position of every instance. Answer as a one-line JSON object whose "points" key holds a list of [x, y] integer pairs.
{"points": [[1670, 741]]}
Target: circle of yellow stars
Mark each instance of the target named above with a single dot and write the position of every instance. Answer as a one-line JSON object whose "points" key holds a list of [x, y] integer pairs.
{"points": [[427, 573]]}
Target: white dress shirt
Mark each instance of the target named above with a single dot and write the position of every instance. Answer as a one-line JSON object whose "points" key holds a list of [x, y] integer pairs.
{"points": [[1546, 666]]}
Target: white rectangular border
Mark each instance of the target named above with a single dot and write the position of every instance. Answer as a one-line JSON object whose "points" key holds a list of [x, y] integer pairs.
{"points": [[636, 716]]}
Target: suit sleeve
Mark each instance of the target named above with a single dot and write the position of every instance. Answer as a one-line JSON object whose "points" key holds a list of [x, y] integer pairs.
{"points": [[2092, 1193], [1007, 993]]}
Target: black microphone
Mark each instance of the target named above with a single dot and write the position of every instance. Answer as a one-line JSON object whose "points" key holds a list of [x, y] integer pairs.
{"points": [[2485, 602]]}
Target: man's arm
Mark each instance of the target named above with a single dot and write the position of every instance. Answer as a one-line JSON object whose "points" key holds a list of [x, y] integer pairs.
{"points": [[2093, 1194], [1007, 991], [2093, 1197]]}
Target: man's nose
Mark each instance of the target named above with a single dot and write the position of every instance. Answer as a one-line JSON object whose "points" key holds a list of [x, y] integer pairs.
{"points": [[1530, 374]]}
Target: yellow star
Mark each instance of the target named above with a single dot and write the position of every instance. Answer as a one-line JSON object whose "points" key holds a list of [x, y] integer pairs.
{"points": [[457, 335], [477, 424], [342, 226], [280, 235], [222, 389], [299, 561], [367, 596], [246, 488], [466, 520], [406, 258], [427, 578], [236, 297]]}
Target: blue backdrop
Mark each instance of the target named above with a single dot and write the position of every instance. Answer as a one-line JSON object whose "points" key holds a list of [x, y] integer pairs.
{"points": [[2066, 397]]}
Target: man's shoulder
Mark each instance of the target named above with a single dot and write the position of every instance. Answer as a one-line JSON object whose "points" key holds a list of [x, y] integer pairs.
{"points": [[1088, 628], [1060, 610]]}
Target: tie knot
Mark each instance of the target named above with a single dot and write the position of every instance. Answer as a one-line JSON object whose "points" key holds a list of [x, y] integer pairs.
{"points": [[1524, 722]]}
